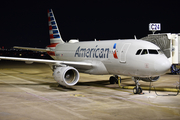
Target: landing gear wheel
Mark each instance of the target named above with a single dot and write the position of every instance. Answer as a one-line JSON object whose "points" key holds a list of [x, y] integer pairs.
{"points": [[113, 80], [137, 90]]}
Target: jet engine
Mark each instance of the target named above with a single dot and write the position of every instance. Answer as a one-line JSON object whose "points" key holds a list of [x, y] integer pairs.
{"points": [[66, 76], [148, 79]]}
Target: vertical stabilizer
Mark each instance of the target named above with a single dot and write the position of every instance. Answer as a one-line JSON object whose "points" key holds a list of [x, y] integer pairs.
{"points": [[55, 36]]}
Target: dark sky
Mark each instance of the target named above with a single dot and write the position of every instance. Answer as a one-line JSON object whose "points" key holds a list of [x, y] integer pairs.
{"points": [[26, 24]]}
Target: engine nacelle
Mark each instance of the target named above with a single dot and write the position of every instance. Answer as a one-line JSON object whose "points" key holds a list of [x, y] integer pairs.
{"points": [[66, 76], [148, 79]]}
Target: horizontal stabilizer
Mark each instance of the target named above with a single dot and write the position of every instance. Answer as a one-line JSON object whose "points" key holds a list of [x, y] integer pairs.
{"points": [[33, 49]]}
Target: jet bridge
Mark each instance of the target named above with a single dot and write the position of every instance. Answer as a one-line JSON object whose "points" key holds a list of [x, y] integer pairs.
{"points": [[169, 43]]}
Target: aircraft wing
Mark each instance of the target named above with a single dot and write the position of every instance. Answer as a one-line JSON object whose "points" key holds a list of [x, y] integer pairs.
{"points": [[78, 65], [34, 49]]}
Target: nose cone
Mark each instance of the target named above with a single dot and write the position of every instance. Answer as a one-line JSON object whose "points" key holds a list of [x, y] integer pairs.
{"points": [[162, 65]]}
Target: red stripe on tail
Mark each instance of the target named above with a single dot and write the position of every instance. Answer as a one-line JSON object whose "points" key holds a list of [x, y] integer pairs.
{"points": [[51, 36], [50, 27], [52, 45], [51, 53]]}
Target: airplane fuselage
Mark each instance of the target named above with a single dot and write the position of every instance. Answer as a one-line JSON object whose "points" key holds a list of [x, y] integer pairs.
{"points": [[118, 57]]}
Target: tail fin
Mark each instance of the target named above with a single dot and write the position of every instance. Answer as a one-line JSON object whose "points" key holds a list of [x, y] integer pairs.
{"points": [[55, 36]]}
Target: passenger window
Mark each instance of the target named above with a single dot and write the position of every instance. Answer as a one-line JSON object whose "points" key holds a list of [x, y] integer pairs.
{"points": [[153, 51], [144, 52], [138, 52]]}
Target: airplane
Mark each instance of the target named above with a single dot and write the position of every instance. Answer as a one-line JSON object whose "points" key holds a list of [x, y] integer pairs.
{"points": [[137, 58]]}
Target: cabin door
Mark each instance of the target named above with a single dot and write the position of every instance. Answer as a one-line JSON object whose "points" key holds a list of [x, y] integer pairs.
{"points": [[123, 52]]}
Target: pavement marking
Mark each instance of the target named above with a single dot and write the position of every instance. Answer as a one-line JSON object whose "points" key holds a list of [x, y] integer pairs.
{"points": [[78, 95], [43, 98], [40, 97], [32, 78], [137, 101]]}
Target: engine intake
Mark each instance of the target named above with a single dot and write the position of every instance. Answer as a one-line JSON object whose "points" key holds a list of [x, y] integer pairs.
{"points": [[66, 76]]}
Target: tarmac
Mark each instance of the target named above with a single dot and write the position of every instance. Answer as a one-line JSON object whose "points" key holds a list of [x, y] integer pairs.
{"points": [[29, 92]]}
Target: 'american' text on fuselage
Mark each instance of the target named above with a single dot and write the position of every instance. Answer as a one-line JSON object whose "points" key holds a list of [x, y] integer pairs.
{"points": [[92, 52]]}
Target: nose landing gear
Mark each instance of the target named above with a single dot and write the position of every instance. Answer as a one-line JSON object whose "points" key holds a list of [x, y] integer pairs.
{"points": [[137, 89], [117, 79]]}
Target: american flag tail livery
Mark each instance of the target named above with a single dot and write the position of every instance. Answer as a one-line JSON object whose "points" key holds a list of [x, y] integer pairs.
{"points": [[55, 37]]}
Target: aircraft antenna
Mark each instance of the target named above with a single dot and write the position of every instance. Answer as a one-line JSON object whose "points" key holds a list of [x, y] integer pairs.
{"points": [[135, 37]]}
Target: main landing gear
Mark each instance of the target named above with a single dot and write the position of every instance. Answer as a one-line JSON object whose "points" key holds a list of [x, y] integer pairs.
{"points": [[114, 79], [137, 89]]}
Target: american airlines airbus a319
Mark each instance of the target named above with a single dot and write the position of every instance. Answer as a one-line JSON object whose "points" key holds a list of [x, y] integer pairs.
{"points": [[140, 59]]}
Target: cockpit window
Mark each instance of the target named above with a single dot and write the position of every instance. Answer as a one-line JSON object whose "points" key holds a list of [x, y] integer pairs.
{"points": [[138, 52], [144, 52], [160, 51], [151, 51]]}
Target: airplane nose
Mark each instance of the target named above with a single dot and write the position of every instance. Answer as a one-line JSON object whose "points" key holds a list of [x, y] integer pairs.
{"points": [[162, 65]]}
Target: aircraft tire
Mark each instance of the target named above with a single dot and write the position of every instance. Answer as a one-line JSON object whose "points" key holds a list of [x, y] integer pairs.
{"points": [[137, 90], [113, 80]]}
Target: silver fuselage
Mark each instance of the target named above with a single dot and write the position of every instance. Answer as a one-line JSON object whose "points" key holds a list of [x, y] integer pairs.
{"points": [[116, 57]]}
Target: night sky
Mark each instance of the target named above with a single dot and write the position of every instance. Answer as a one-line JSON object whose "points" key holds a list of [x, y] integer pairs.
{"points": [[26, 23]]}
